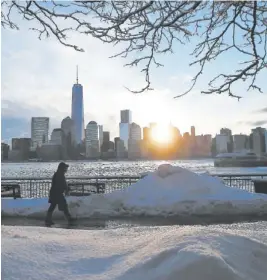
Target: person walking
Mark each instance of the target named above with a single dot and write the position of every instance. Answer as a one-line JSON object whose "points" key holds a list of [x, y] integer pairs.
{"points": [[56, 195]]}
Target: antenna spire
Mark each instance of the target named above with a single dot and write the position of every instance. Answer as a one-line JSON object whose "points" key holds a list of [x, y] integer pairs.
{"points": [[77, 75]]}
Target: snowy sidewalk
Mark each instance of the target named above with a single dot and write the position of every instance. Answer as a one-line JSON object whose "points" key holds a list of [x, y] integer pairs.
{"points": [[111, 223], [154, 253]]}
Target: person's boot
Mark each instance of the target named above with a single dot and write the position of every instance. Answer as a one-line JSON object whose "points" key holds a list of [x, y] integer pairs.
{"points": [[48, 219], [69, 219]]}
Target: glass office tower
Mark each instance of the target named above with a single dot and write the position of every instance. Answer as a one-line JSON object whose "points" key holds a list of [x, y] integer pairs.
{"points": [[77, 111]]}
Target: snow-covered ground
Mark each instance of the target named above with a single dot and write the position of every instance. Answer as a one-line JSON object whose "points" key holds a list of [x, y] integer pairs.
{"points": [[168, 191], [155, 253]]}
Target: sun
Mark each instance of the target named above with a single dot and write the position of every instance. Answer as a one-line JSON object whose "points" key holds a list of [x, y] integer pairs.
{"points": [[161, 134]]}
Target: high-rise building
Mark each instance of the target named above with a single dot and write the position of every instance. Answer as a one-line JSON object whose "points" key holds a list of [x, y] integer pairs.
{"points": [[111, 146], [125, 133], [106, 136], [92, 140], [134, 150], [176, 135], [222, 143], [144, 149], [203, 145], [116, 141], [67, 125], [135, 132], [100, 130], [193, 131], [186, 136], [258, 140], [241, 142], [265, 136], [4, 151], [226, 131], [106, 142], [20, 148], [50, 151], [77, 111], [146, 133], [39, 131], [126, 116], [119, 148], [57, 136], [126, 120]]}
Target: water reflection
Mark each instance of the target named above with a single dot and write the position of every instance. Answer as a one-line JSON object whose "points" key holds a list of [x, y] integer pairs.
{"points": [[102, 168]]}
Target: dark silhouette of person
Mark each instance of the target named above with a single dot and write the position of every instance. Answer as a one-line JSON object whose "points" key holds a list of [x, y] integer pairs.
{"points": [[56, 194]]}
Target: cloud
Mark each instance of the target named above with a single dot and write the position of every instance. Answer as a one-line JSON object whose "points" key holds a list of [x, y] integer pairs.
{"points": [[16, 118], [258, 123], [253, 123], [12, 127], [263, 110]]}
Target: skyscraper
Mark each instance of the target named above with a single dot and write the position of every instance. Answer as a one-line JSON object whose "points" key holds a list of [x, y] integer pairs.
{"points": [[77, 111], [226, 131], [126, 116], [125, 126], [92, 140], [106, 136], [125, 133], [57, 136], [146, 133], [134, 150], [39, 131], [119, 147], [135, 132], [106, 142], [22, 147], [100, 129], [67, 125], [258, 139], [193, 131]]}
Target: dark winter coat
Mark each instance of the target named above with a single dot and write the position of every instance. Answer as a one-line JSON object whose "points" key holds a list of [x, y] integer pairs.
{"points": [[58, 188]]}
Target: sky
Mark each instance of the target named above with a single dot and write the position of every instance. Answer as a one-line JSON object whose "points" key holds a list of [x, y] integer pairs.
{"points": [[37, 78]]}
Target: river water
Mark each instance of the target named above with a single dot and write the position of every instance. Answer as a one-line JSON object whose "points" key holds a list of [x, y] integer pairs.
{"points": [[114, 168]]}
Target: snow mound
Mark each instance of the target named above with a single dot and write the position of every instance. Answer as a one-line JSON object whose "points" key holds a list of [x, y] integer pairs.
{"points": [[167, 253], [168, 191], [196, 258]]}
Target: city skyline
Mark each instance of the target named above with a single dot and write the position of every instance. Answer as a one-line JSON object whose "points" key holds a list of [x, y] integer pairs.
{"points": [[135, 145], [43, 88]]}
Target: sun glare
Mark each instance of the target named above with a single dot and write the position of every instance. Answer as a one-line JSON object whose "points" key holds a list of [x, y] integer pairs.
{"points": [[161, 134]]}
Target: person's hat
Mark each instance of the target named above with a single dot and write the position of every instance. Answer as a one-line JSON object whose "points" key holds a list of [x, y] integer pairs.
{"points": [[63, 165]]}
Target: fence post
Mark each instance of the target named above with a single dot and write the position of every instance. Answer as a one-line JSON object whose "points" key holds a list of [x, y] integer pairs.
{"points": [[14, 192], [30, 188]]}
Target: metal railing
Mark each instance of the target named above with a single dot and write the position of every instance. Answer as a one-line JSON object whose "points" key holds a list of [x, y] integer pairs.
{"points": [[39, 187]]}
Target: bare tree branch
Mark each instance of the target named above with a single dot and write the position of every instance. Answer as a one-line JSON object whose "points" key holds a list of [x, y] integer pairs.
{"points": [[147, 29]]}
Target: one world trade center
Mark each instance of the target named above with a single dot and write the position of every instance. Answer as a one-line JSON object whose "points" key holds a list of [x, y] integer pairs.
{"points": [[77, 111]]}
